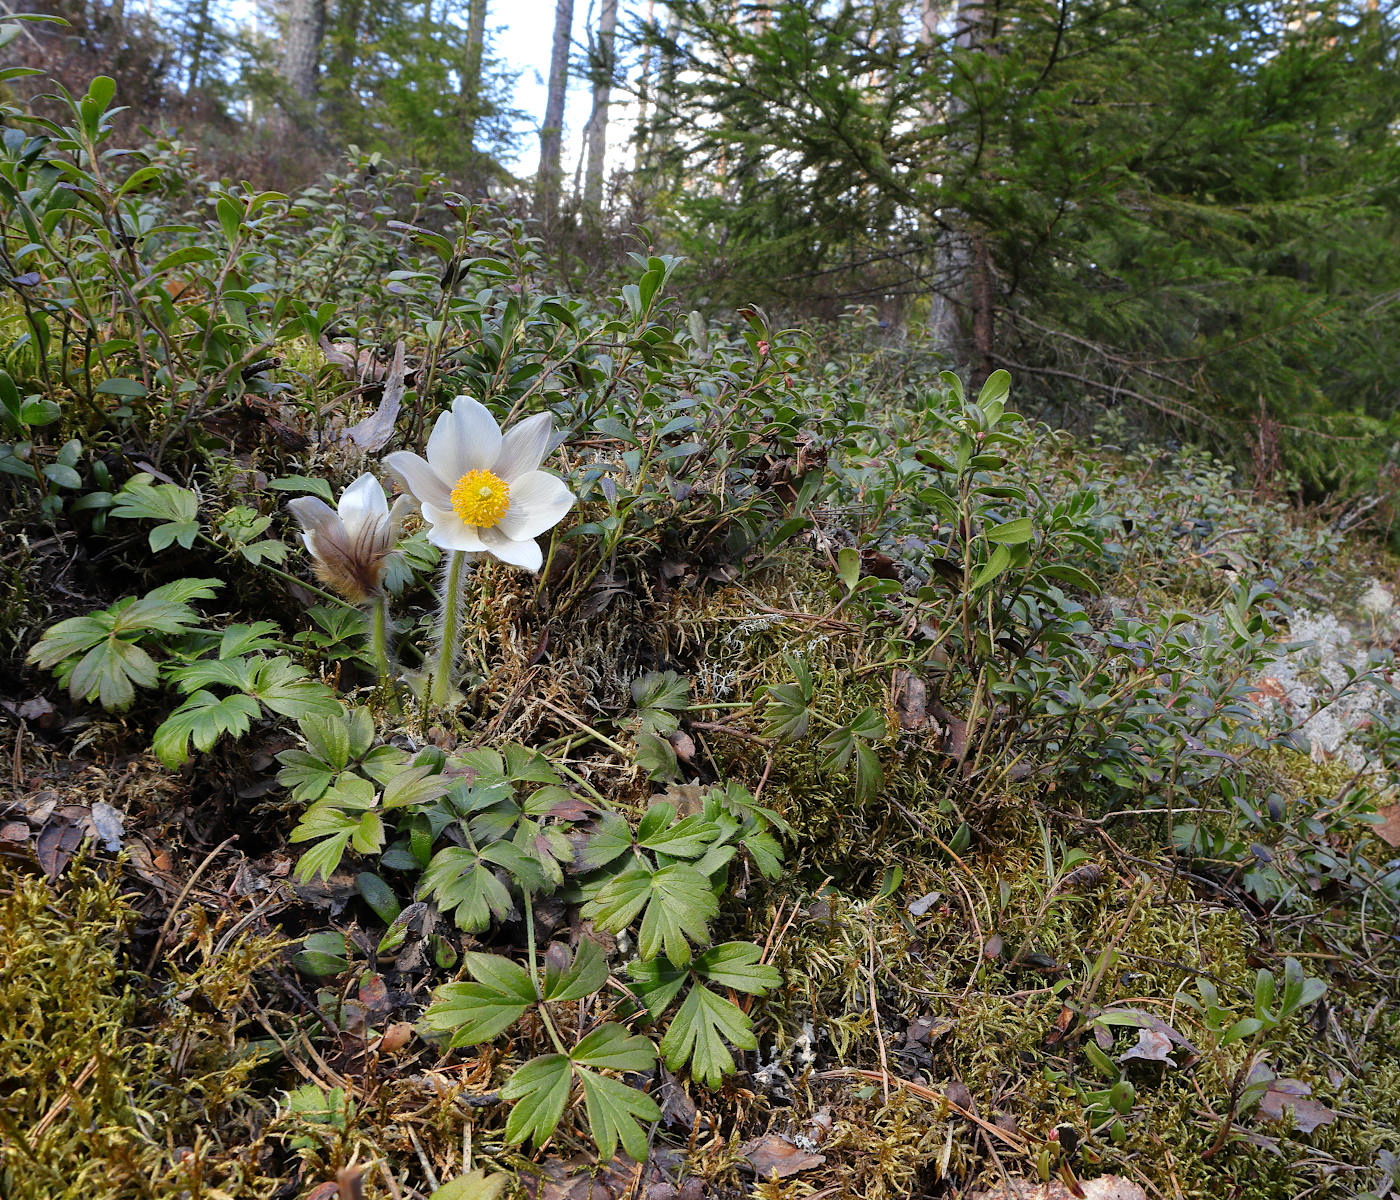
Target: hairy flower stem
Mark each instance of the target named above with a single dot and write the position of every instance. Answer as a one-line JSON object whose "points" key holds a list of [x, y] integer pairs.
{"points": [[450, 629], [379, 642]]}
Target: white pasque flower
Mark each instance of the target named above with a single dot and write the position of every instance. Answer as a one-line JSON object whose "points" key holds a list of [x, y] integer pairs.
{"points": [[350, 544], [481, 491]]}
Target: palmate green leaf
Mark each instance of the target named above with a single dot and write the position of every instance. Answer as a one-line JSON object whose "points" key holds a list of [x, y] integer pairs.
{"points": [[482, 1010], [472, 1013], [657, 983], [870, 774], [245, 639], [698, 1033], [458, 880], [237, 674], [203, 719], [766, 852], [677, 900], [524, 765], [110, 673], [328, 740], [610, 1047], [735, 965], [610, 839], [540, 1090], [75, 636], [322, 859], [142, 499], [307, 775], [475, 1185], [617, 1113], [415, 785], [658, 830], [657, 757], [659, 695], [681, 906], [585, 975], [324, 820], [787, 716], [166, 609], [289, 691]]}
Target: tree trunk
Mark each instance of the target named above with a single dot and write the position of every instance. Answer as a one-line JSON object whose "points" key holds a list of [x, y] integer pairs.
{"points": [[962, 316], [551, 132], [199, 33], [603, 64], [643, 156], [301, 52], [471, 71]]}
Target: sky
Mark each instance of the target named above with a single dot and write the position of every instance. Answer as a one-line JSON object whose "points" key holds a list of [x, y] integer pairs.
{"points": [[524, 31]]}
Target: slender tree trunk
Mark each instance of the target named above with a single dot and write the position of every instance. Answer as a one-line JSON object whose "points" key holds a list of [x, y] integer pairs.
{"points": [[551, 132], [642, 159], [301, 52], [200, 32], [604, 62], [963, 316], [471, 71]]}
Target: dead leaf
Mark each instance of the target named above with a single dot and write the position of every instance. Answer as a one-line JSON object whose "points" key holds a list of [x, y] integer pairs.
{"points": [[1389, 828], [776, 1156], [878, 564], [374, 994], [911, 700], [374, 432], [1285, 1096], [918, 907], [1152, 1046], [1105, 1187], [107, 824], [683, 744], [396, 1037], [56, 845], [677, 1108]]}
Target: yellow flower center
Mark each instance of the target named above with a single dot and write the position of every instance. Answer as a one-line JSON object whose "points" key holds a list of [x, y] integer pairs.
{"points": [[481, 498]]}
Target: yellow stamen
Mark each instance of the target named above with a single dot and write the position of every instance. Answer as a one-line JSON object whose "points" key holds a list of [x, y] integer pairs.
{"points": [[481, 499]]}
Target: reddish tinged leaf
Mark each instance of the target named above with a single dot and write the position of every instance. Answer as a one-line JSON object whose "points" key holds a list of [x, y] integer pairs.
{"points": [[1389, 828], [1291, 1096], [777, 1157]]}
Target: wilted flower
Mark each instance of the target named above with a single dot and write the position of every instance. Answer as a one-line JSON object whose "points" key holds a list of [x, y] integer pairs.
{"points": [[483, 492], [350, 544]]}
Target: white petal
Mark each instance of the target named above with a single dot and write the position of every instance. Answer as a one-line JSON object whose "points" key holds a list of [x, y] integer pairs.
{"points": [[362, 503], [419, 478], [465, 439], [538, 501], [403, 506], [523, 447], [448, 530], [315, 515], [524, 553]]}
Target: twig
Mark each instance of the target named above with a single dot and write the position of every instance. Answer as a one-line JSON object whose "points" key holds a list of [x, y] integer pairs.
{"points": [[180, 899]]}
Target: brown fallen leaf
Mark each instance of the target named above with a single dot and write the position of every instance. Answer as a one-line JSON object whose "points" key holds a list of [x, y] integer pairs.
{"points": [[911, 700], [1389, 828], [1105, 1187], [1285, 1096], [777, 1157]]}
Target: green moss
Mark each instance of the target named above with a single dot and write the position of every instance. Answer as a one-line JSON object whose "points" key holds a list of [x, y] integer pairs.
{"points": [[103, 1096]]}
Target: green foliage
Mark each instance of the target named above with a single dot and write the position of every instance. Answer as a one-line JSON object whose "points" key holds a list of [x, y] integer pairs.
{"points": [[97, 657], [1097, 198]]}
